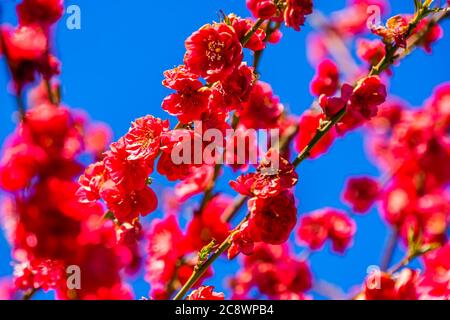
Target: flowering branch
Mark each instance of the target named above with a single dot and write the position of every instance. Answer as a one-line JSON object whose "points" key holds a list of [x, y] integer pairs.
{"points": [[390, 249], [325, 127]]}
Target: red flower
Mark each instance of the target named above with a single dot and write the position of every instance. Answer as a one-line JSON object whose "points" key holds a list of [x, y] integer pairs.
{"points": [[275, 272], [205, 293], [379, 287], [361, 193], [272, 219], [195, 182], [326, 80], [165, 246], [435, 282], [143, 139], [44, 12], [371, 51], [26, 48], [127, 204], [332, 105], [433, 34], [341, 229], [241, 242], [39, 274], [386, 287], [213, 52], [19, 165], [234, 90], [25, 43], [129, 174], [97, 139], [91, 182], [208, 224], [313, 230], [316, 227], [178, 140], [262, 110], [191, 99], [295, 12], [267, 181], [242, 27], [366, 97], [309, 123], [129, 234], [262, 9]]}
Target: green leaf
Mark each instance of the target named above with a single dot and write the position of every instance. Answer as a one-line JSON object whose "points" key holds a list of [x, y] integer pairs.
{"points": [[206, 251]]}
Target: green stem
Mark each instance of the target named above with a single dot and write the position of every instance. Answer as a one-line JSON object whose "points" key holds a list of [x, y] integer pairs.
{"points": [[390, 249], [252, 31], [321, 132], [30, 294], [200, 270]]}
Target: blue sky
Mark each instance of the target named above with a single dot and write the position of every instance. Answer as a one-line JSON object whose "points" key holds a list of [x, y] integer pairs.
{"points": [[113, 68]]}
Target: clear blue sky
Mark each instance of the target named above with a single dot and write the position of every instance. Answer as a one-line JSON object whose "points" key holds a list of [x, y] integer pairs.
{"points": [[113, 68]]}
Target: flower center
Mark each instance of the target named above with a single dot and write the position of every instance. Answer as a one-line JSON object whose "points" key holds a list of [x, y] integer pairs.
{"points": [[214, 50]]}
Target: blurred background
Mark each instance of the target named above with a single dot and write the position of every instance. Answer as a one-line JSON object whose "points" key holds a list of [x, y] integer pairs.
{"points": [[113, 66]]}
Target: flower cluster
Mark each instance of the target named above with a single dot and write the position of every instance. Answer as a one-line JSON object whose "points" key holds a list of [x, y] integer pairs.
{"points": [[410, 284], [59, 213], [27, 46], [121, 178], [168, 244], [275, 273], [205, 293], [319, 226], [292, 12], [414, 143]]}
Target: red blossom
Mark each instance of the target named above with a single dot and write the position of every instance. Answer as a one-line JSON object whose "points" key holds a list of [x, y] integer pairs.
{"points": [[361, 193], [326, 80], [371, 51], [128, 204], [386, 287], [262, 110], [241, 242], [433, 34], [39, 274], [19, 165], [91, 182], [263, 9], [295, 12], [367, 96], [205, 293], [195, 182], [353, 19], [274, 272], [143, 139], [242, 27], [44, 12], [434, 284], [213, 52], [129, 174], [309, 123], [317, 227], [191, 98], [272, 219], [175, 142], [209, 224], [234, 90], [268, 181]]}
